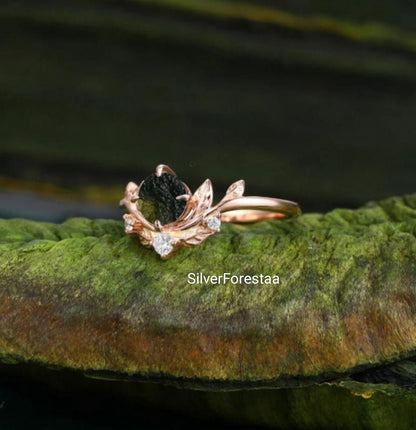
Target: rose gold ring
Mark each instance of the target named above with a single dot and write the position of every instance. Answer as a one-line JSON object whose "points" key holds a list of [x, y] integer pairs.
{"points": [[179, 218]]}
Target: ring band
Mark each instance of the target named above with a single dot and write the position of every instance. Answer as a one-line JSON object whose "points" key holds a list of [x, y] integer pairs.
{"points": [[194, 216], [251, 209]]}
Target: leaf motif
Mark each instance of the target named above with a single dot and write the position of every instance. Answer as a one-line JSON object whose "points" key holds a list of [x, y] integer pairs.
{"points": [[199, 236], [198, 203], [234, 191], [237, 189]]}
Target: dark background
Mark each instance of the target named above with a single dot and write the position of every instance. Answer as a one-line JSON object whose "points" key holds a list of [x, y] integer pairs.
{"points": [[312, 101]]}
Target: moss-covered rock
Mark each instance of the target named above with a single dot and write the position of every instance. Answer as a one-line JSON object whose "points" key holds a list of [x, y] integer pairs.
{"points": [[325, 347], [82, 295]]}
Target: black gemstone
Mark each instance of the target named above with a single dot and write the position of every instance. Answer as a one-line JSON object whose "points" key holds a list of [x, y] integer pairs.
{"points": [[157, 198]]}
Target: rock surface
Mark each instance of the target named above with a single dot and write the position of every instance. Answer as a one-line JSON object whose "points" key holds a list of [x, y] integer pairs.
{"points": [[83, 295], [339, 328]]}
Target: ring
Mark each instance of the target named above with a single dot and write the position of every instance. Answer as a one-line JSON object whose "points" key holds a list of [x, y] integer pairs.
{"points": [[166, 215]]}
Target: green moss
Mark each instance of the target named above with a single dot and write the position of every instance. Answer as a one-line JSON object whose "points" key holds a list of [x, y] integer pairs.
{"points": [[345, 297]]}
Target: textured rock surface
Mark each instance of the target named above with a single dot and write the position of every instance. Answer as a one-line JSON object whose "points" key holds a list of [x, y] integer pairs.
{"points": [[85, 296]]}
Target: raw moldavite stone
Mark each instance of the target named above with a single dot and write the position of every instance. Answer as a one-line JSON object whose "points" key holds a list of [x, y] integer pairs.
{"points": [[157, 198]]}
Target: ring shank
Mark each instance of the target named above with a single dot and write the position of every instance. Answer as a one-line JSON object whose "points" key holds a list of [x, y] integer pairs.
{"points": [[253, 208]]}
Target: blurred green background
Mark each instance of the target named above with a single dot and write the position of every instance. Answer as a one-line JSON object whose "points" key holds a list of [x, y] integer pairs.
{"points": [[312, 101]]}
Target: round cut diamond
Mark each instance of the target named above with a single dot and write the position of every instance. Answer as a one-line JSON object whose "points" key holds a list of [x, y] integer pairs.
{"points": [[129, 227], [162, 244], [214, 223]]}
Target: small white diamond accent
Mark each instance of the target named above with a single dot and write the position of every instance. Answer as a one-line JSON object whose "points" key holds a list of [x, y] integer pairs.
{"points": [[128, 224], [214, 223], [162, 244]]}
